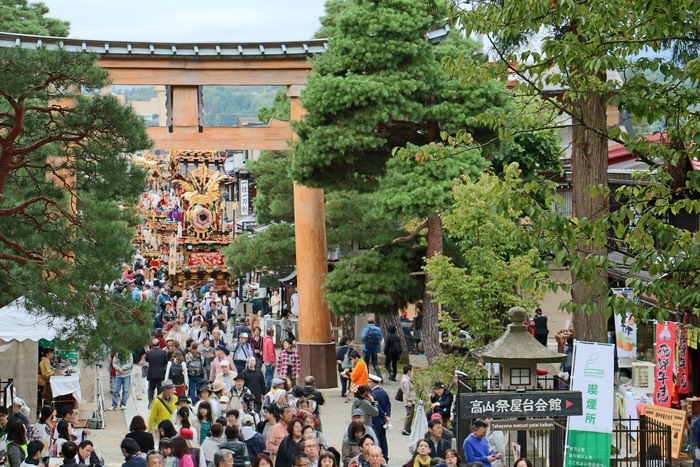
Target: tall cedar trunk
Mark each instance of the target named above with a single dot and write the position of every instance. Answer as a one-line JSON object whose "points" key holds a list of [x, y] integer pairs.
{"points": [[431, 333], [347, 323], [589, 164]]}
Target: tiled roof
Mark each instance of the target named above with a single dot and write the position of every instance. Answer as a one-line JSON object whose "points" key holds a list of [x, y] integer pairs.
{"points": [[184, 49]]}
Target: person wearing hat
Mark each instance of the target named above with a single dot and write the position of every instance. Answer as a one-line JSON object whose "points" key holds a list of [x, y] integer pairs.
{"points": [[254, 441], [384, 405], [441, 401], [224, 402], [225, 377], [277, 385], [163, 406], [241, 328], [163, 297], [205, 394], [241, 352], [221, 353], [184, 401], [238, 393]]}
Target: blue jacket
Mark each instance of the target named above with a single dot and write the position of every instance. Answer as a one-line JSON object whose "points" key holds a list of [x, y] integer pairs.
{"points": [[376, 331], [695, 433], [477, 450], [384, 402], [135, 461]]}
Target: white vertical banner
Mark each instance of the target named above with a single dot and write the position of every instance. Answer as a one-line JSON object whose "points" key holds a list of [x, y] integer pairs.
{"points": [[245, 202], [589, 436]]}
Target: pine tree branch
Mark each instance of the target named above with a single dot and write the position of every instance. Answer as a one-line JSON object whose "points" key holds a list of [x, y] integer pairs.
{"points": [[407, 238]]}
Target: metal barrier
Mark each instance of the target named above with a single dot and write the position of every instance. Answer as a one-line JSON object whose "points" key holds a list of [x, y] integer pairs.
{"points": [[641, 441]]}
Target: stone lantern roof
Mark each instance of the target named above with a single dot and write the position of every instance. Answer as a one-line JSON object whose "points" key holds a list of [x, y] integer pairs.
{"points": [[517, 345]]}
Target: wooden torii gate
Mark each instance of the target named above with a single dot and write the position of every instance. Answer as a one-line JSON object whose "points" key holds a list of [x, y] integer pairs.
{"points": [[186, 67]]}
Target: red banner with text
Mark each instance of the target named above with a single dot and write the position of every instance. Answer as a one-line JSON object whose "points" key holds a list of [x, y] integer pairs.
{"points": [[665, 351]]}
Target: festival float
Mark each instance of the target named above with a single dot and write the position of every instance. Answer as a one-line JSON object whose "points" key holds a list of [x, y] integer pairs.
{"points": [[185, 226]]}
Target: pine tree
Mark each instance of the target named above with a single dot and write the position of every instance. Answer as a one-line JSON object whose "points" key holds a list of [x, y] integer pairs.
{"points": [[380, 86], [65, 189]]}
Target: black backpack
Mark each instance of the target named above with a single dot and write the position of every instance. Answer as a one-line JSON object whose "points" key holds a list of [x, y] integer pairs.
{"points": [[372, 341], [176, 375], [195, 368]]}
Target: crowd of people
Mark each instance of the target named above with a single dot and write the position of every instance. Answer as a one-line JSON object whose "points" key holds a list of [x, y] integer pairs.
{"points": [[221, 394]]}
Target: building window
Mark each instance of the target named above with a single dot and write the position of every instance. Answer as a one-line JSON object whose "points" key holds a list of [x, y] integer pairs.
{"points": [[520, 377]]}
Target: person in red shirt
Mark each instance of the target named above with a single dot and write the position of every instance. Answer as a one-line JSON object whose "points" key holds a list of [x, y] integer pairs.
{"points": [[269, 358]]}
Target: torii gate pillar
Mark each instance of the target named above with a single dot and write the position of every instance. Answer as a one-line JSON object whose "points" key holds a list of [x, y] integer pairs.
{"points": [[316, 350]]}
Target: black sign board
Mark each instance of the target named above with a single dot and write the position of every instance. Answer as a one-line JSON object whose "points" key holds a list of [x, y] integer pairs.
{"points": [[520, 404]]}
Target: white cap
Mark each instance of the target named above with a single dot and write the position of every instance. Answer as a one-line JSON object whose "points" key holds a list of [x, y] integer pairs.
{"points": [[375, 378], [225, 363]]}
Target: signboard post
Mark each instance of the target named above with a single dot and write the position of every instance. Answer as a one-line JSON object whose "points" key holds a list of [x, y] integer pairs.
{"points": [[589, 436], [521, 404]]}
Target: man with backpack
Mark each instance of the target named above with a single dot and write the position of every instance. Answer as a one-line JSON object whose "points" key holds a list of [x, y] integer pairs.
{"points": [[372, 339]]}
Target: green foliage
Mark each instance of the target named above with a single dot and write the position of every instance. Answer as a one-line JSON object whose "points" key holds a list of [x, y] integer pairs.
{"points": [[279, 109], [501, 268], [64, 189], [328, 21], [274, 201], [224, 105], [273, 247], [22, 17], [420, 180], [442, 368], [378, 69], [656, 51], [374, 282], [668, 253]]}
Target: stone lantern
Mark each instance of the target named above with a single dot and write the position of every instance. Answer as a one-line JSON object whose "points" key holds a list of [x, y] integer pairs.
{"points": [[518, 354]]}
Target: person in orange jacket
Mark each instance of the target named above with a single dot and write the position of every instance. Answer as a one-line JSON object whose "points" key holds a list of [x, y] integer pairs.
{"points": [[359, 374]]}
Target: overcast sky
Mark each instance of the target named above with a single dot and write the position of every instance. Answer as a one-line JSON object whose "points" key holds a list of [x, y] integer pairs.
{"points": [[190, 20]]}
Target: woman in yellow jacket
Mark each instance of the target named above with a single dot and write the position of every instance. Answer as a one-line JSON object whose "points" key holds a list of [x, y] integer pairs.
{"points": [[45, 373]]}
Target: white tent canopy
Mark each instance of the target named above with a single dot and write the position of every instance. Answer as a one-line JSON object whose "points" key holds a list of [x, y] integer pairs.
{"points": [[20, 333], [19, 324]]}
